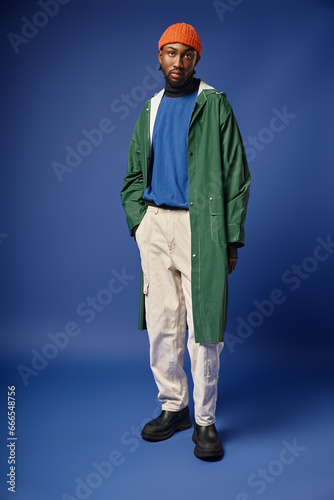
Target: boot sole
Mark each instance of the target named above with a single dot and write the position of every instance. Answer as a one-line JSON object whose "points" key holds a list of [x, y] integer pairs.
{"points": [[168, 433], [206, 454]]}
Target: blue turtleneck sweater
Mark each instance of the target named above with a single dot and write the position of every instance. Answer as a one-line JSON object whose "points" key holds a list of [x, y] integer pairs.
{"points": [[169, 182]]}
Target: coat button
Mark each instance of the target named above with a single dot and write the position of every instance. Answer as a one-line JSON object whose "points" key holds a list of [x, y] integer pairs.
{"points": [[191, 153], [191, 203], [210, 199], [194, 255]]}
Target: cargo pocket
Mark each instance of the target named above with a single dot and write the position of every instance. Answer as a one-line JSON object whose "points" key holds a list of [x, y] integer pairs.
{"points": [[217, 219]]}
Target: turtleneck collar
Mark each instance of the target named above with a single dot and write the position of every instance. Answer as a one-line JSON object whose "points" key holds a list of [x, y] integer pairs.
{"points": [[188, 87]]}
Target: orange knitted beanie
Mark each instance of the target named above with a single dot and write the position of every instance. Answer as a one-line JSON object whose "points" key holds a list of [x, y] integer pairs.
{"points": [[181, 33]]}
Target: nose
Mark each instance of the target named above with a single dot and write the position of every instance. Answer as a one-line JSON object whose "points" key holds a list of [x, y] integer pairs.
{"points": [[178, 62]]}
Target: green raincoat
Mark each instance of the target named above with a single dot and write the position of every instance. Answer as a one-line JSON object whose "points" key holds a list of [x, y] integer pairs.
{"points": [[219, 183]]}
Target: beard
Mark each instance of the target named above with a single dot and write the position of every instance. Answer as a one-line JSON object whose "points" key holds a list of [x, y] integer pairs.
{"points": [[177, 83]]}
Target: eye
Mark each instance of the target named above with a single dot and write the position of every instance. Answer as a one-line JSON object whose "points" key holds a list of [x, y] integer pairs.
{"points": [[171, 52]]}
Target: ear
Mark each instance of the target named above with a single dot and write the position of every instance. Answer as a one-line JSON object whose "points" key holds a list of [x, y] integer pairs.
{"points": [[160, 55], [197, 59]]}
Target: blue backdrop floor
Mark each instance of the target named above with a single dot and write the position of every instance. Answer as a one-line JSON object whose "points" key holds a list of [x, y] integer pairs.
{"points": [[79, 422]]}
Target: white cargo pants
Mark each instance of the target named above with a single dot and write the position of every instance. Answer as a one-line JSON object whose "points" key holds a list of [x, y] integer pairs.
{"points": [[163, 238]]}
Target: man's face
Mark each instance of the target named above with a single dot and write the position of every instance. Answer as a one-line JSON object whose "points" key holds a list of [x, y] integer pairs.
{"points": [[177, 62]]}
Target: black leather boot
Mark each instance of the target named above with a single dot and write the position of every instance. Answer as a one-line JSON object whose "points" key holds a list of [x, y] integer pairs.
{"points": [[208, 446], [164, 426]]}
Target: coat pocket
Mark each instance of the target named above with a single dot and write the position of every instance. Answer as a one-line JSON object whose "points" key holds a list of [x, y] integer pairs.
{"points": [[217, 219]]}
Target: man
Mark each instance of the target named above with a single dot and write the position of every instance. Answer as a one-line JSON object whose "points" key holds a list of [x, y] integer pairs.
{"points": [[185, 195]]}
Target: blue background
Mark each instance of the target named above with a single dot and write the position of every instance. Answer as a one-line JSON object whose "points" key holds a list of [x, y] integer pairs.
{"points": [[62, 242]]}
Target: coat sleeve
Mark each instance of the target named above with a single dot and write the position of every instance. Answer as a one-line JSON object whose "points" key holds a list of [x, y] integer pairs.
{"points": [[133, 188], [236, 175]]}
